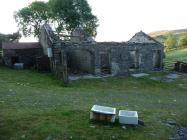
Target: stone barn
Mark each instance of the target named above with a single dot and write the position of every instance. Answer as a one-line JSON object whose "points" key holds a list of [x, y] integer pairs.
{"points": [[25, 53], [140, 54]]}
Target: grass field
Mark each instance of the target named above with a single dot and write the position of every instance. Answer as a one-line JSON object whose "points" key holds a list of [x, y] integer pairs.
{"points": [[35, 106], [174, 56]]}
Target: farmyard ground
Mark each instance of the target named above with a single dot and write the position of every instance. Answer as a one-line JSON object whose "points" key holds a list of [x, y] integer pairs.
{"points": [[35, 106]]}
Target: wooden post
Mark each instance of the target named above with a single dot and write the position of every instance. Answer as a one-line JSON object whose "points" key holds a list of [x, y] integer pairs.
{"points": [[64, 67]]}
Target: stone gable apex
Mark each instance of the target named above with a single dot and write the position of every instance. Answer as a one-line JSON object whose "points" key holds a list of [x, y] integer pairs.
{"points": [[142, 37]]}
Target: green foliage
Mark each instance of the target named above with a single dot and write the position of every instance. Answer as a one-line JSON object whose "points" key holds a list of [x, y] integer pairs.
{"points": [[182, 41], [179, 37], [31, 18], [65, 15], [170, 43], [161, 38], [87, 21], [70, 14]]}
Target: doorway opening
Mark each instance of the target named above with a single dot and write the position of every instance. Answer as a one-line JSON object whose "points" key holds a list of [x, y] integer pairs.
{"points": [[14, 59], [105, 63], [157, 59]]}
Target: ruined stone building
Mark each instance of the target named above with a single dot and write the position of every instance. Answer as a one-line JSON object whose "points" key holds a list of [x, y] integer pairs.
{"points": [[82, 55], [140, 54], [25, 53]]}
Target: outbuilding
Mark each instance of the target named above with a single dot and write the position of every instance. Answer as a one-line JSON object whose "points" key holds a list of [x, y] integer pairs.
{"points": [[25, 53]]}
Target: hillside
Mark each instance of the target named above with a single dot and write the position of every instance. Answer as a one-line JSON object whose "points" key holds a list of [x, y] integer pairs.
{"points": [[174, 56], [166, 32], [162, 35]]}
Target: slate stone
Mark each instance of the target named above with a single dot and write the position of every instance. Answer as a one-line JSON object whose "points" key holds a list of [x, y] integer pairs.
{"points": [[172, 76], [180, 133], [140, 75], [171, 122]]}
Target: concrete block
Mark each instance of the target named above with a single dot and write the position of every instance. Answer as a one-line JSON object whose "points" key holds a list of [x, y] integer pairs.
{"points": [[140, 75], [128, 117], [18, 65]]}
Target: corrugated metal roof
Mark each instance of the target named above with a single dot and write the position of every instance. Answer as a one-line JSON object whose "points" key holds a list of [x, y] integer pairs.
{"points": [[29, 45]]}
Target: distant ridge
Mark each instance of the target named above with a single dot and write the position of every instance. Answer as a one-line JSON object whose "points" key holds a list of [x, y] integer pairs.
{"points": [[162, 35], [166, 32]]}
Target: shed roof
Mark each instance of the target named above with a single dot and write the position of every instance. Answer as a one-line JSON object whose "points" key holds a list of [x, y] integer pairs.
{"points": [[28, 45]]}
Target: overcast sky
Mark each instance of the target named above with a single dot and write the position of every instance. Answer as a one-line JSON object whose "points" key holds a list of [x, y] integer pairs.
{"points": [[118, 19]]}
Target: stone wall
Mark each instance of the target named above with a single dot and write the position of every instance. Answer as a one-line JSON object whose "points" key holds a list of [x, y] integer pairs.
{"points": [[122, 62], [117, 57], [80, 60], [88, 58]]}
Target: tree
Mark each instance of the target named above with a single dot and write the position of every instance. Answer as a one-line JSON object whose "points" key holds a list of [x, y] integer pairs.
{"points": [[170, 43], [182, 42], [10, 37], [31, 18], [65, 15], [72, 14]]}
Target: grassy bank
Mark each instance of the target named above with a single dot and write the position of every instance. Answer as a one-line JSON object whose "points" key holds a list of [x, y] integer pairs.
{"points": [[174, 56], [36, 106]]}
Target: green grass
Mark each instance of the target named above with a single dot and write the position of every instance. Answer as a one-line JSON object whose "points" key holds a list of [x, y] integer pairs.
{"points": [[173, 56], [35, 106]]}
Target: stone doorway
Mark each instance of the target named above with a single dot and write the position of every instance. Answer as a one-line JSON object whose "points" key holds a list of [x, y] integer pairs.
{"points": [[157, 59], [133, 60], [105, 63], [14, 59]]}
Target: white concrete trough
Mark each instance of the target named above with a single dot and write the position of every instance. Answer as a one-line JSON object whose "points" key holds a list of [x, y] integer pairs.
{"points": [[139, 75], [18, 65], [103, 113], [128, 117]]}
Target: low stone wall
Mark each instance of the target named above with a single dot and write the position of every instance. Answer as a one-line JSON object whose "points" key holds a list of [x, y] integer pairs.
{"points": [[181, 67]]}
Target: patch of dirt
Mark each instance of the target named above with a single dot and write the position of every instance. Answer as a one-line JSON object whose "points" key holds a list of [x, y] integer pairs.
{"points": [[86, 76], [166, 78], [183, 85]]}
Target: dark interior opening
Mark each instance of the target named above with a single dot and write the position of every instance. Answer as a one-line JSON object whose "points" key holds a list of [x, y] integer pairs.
{"points": [[105, 63], [133, 60], [157, 59], [80, 62], [15, 59]]}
